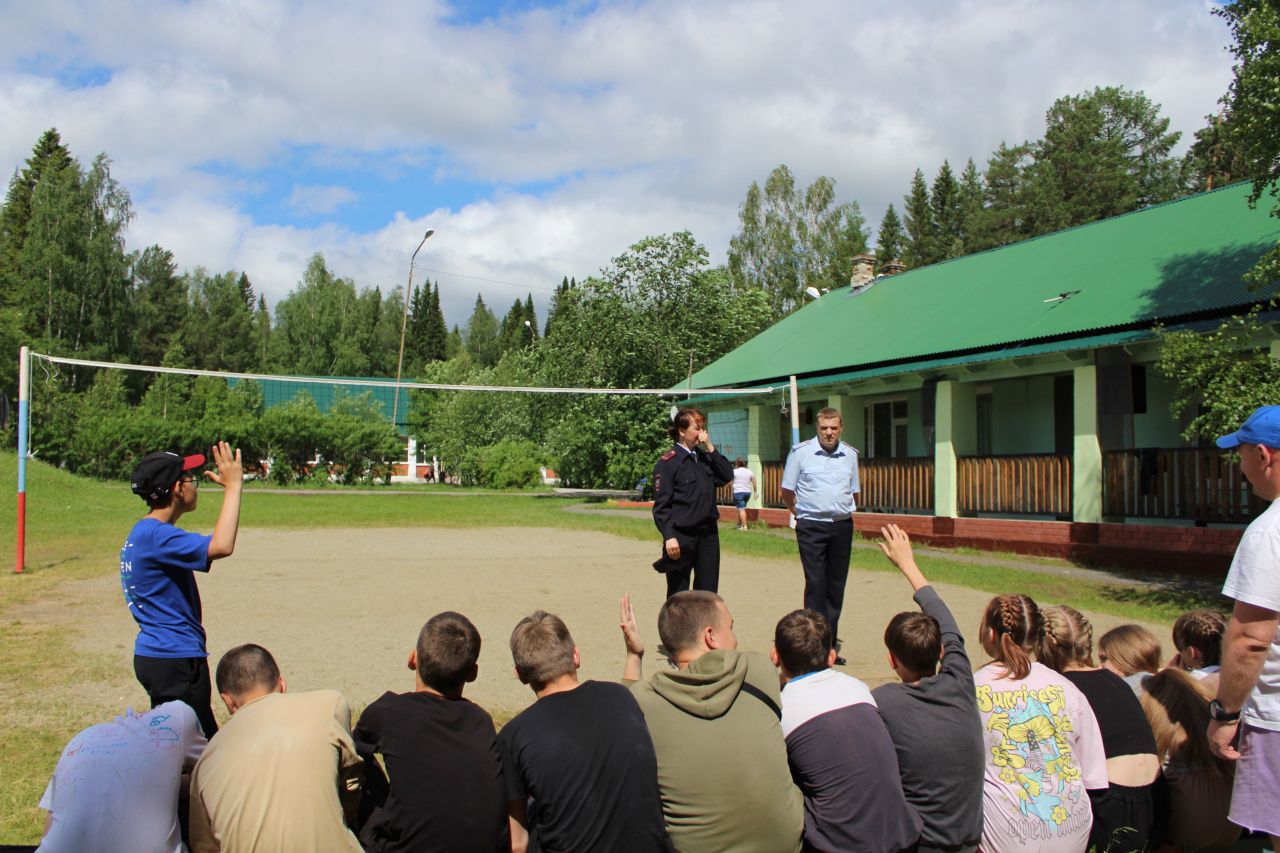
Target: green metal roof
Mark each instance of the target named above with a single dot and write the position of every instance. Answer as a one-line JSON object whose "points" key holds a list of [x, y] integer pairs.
{"points": [[1181, 259]]}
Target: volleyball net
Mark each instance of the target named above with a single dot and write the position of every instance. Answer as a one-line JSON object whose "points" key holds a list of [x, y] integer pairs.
{"points": [[97, 417]]}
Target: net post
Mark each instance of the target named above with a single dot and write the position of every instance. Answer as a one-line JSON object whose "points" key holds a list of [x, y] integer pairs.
{"points": [[795, 413], [24, 390]]}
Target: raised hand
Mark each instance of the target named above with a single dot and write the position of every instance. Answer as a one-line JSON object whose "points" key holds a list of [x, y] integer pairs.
{"points": [[230, 470], [630, 631]]}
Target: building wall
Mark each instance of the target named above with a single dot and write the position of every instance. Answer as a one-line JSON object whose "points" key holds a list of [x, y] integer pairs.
{"points": [[1157, 428], [1022, 415]]}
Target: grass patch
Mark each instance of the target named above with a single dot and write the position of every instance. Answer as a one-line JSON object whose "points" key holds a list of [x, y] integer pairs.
{"points": [[76, 526]]}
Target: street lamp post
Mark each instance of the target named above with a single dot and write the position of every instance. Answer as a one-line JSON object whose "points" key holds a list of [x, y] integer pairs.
{"points": [[404, 325]]}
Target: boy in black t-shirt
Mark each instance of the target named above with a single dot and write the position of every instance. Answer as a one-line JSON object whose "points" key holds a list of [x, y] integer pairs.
{"points": [[580, 767], [440, 750]]}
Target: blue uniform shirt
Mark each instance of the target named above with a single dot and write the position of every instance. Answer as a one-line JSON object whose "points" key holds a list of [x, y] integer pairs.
{"points": [[157, 565], [824, 483]]}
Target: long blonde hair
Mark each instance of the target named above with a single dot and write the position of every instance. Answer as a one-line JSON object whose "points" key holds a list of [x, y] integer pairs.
{"points": [[1017, 625], [1130, 649], [1067, 638], [1177, 707]]}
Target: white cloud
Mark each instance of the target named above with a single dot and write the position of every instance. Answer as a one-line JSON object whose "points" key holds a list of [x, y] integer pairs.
{"points": [[314, 200], [648, 116]]}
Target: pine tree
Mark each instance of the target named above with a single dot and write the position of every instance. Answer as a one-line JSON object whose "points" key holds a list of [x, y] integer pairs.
{"points": [[557, 298], [918, 251], [531, 330], [435, 348], [246, 290], [262, 322], [970, 203], [160, 302], [944, 205], [890, 240]]}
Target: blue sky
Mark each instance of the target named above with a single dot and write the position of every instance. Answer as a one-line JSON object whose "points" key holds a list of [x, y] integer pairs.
{"points": [[541, 139]]}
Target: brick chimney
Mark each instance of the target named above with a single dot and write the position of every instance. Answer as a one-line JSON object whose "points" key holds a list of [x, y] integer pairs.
{"points": [[894, 267], [864, 266]]}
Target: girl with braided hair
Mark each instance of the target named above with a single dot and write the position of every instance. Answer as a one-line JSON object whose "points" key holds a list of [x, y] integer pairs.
{"points": [[1123, 813], [1044, 750], [1197, 635]]}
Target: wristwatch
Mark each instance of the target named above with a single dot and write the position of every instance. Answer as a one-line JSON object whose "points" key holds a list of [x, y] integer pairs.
{"points": [[1221, 714]]}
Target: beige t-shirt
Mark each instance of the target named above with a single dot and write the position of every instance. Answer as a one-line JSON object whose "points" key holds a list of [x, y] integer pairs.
{"points": [[276, 776]]}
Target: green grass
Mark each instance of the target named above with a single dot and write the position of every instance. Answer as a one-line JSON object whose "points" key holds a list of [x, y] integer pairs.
{"points": [[75, 527]]}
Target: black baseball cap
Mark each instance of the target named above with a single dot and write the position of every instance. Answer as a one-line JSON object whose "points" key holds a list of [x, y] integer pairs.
{"points": [[157, 472]]}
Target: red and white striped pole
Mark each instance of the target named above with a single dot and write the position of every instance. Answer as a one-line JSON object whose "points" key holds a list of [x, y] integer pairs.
{"points": [[24, 388]]}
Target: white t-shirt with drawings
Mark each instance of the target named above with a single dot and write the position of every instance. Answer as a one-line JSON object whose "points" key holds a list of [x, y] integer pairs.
{"points": [[1254, 579], [116, 784]]}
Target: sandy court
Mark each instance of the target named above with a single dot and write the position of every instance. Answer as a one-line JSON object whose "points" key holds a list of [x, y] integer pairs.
{"points": [[342, 608]]}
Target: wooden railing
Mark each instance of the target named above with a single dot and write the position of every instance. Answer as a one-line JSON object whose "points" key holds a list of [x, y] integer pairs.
{"points": [[896, 485], [1032, 484], [1186, 483], [888, 485], [769, 484]]}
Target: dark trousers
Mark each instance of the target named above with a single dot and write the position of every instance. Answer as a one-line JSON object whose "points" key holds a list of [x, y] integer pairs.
{"points": [[824, 552], [704, 544], [181, 679]]}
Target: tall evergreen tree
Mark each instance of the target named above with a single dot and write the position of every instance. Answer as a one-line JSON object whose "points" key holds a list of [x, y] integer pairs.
{"points": [[246, 290], [160, 302], [437, 333], [919, 225], [262, 324], [220, 332], [970, 203], [891, 239], [947, 215]]}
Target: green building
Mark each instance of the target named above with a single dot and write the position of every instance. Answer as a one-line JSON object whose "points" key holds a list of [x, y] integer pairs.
{"points": [[1016, 383]]}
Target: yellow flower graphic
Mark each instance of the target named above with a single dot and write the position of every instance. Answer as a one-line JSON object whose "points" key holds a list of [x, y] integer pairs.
{"points": [[1007, 775], [1058, 815]]}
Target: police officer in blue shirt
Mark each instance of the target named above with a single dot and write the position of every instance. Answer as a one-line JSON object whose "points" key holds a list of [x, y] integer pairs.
{"points": [[819, 486], [684, 504]]}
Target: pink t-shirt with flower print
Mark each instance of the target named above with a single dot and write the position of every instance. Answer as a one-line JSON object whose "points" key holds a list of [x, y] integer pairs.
{"points": [[1044, 752]]}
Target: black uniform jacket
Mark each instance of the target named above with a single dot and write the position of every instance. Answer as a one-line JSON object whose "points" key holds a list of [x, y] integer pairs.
{"points": [[684, 489]]}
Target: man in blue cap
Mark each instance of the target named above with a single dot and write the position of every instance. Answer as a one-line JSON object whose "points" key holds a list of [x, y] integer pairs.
{"points": [[1245, 724], [157, 566]]}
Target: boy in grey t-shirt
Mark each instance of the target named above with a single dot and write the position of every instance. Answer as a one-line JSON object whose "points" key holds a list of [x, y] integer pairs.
{"points": [[932, 715]]}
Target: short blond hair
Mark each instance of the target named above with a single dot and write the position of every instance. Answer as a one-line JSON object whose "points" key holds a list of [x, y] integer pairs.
{"points": [[541, 648], [1130, 649]]}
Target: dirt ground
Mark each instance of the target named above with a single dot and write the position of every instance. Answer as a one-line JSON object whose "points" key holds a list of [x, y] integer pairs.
{"points": [[342, 608]]}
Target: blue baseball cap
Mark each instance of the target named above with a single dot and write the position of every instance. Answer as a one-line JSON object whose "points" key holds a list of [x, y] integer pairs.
{"points": [[1261, 427]]}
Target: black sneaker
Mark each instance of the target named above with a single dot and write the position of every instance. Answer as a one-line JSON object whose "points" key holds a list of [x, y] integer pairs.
{"points": [[841, 661]]}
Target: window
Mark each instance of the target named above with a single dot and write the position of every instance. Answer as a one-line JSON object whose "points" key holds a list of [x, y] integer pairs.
{"points": [[887, 436], [986, 409]]}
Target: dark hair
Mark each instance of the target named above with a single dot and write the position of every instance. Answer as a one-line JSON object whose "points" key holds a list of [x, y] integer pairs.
{"points": [[685, 615], [740, 463], [1067, 638], [541, 649], [915, 639], [246, 668], [681, 422], [448, 647], [803, 641], [1017, 624], [1202, 630]]}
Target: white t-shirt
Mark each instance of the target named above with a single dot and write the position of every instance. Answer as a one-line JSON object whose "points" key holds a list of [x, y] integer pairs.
{"points": [[1254, 578], [116, 784], [742, 478]]}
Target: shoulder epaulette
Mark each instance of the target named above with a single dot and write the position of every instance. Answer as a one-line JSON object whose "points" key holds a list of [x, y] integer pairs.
{"points": [[803, 443], [670, 454]]}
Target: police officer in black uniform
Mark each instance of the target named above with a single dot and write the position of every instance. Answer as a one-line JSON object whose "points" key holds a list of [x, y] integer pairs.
{"points": [[684, 504]]}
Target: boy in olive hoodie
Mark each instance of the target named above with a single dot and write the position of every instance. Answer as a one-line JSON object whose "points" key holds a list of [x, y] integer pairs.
{"points": [[722, 761]]}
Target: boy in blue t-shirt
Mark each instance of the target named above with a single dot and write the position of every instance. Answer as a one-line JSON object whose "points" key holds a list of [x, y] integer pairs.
{"points": [[156, 566]]}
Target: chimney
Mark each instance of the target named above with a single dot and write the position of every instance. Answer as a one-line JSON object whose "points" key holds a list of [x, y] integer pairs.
{"points": [[894, 267], [863, 270]]}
